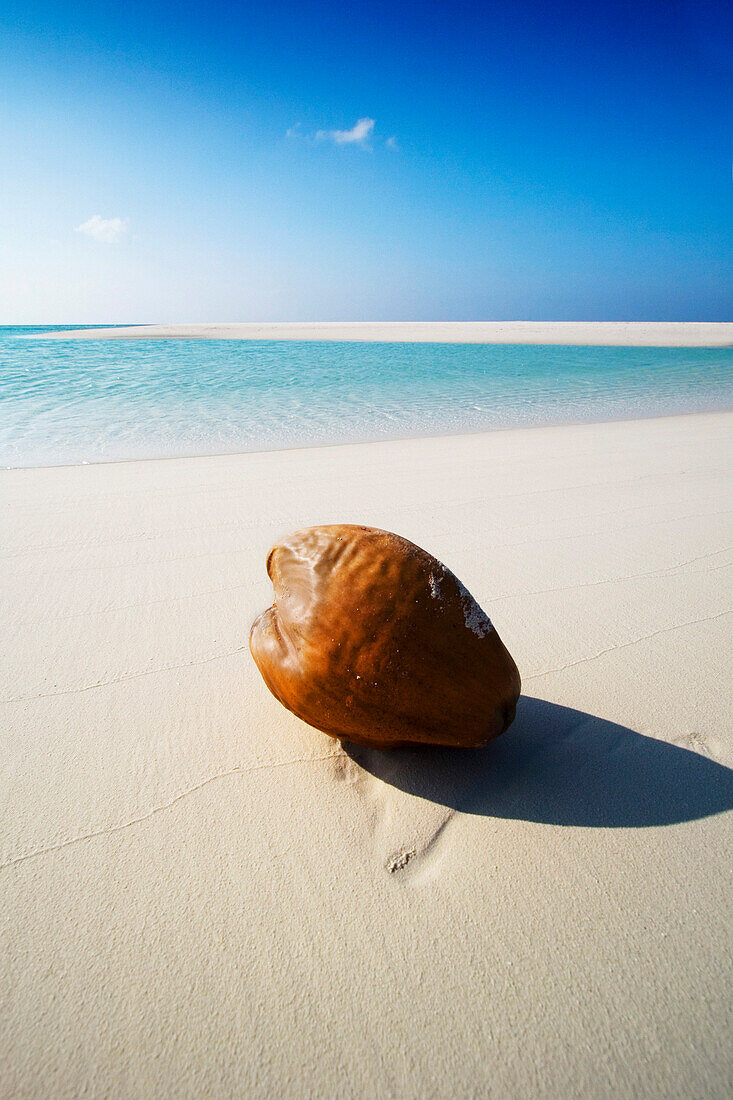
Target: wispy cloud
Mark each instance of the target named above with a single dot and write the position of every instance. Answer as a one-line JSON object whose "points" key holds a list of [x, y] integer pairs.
{"points": [[107, 230], [359, 133]]}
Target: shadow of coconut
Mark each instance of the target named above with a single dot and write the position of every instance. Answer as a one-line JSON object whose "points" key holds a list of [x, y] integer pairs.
{"points": [[561, 767]]}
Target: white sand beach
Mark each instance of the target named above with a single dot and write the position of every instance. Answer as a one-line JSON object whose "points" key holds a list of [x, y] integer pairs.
{"points": [[202, 896], [622, 333]]}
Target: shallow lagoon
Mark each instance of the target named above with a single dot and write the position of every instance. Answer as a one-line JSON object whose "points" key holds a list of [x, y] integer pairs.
{"points": [[103, 400]]}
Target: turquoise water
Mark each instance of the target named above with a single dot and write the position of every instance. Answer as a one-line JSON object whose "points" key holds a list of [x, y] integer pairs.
{"points": [[100, 400]]}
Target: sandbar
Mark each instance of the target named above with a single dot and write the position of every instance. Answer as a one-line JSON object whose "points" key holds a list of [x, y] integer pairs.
{"points": [[609, 333]]}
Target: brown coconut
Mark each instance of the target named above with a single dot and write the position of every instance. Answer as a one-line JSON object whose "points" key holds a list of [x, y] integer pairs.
{"points": [[372, 640]]}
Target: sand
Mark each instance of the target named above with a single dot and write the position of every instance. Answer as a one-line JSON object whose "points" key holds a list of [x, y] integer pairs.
{"points": [[201, 896], [624, 333]]}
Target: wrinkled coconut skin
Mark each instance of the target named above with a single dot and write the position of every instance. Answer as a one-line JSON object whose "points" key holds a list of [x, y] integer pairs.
{"points": [[372, 640]]}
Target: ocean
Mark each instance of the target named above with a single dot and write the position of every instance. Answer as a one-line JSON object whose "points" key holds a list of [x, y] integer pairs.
{"points": [[77, 401]]}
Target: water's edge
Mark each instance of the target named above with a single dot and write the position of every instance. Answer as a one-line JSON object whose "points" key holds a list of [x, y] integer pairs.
{"points": [[71, 403]]}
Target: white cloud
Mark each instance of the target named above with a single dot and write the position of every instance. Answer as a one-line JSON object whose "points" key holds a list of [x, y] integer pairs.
{"points": [[293, 131], [107, 230], [359, 133], [391, 143]]}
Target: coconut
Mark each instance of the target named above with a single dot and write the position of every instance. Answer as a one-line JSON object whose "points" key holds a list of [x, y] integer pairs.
{"points": [[373, 640]]}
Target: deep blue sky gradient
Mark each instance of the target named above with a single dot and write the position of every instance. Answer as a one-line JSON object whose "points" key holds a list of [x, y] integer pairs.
{"points": [[567, 162]]}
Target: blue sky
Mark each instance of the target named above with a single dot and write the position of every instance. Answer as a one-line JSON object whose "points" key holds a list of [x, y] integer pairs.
{"points": [[292, 161]]}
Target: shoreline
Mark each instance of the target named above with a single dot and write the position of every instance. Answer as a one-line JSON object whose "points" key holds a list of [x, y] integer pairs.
{"points": [[569, 333], [543, 426]]}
